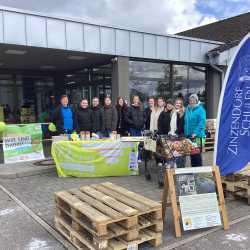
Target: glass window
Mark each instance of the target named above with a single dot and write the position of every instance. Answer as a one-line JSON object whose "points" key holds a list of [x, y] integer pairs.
{"points": [[167, 80], [188, 80], [197, 82], [149, 79]]}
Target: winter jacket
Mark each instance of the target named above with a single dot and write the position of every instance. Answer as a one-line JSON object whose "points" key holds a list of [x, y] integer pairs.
{"points": [[83, 119], [147, 116], [154, 117], [195, 121], [58, 119], [165, 120], [135, 117], [180, 124], [98, 119], [122, 125], [110, 118]]}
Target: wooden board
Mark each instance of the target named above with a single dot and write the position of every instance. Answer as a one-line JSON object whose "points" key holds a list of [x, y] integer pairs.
{"points": [[170, 190]]}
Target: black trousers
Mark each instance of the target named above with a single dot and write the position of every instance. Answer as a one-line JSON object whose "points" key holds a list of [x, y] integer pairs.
{"points": [[196, 160]]}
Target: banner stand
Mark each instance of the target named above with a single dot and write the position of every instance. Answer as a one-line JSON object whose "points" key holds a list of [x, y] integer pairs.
{"points": [[169, 194]]}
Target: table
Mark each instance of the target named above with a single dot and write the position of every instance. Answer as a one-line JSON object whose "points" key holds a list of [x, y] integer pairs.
{"points": [[95, 158]]}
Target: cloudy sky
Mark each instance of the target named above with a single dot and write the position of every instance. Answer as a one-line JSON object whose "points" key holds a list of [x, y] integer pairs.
{"points": [[157, 16]]}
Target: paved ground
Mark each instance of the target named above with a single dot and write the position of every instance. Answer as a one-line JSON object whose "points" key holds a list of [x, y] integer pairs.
{"points": [[36, 192], [19, 231]]}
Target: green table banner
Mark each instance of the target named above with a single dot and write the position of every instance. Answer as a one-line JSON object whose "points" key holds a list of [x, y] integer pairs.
{"points": [[22, 143], [95, 158]]}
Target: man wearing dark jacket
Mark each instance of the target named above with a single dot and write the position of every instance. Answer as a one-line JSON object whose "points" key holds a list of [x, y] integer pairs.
{"points": [[83, 117], [97, 115], [63, 117]]}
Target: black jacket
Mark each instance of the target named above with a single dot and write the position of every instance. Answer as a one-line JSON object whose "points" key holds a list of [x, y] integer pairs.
{"points": [[57, 119], [164, 123], [135, 117], [83, 119], [110, 118], [180, 124], [98, 119], [122, 125], [147, 115]]}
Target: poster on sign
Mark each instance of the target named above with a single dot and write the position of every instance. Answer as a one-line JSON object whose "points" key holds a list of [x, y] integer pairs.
{"points": [[195, 188], [232, 143], [22, 143]]}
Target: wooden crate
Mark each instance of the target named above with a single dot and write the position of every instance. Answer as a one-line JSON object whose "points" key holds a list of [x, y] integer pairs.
{"points": [[238, 185], [106, 216]]}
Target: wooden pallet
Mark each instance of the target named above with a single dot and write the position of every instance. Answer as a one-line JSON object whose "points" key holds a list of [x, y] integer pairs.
{"points": [[105, 212], [209, 144], [81, 240], [238, 185]]}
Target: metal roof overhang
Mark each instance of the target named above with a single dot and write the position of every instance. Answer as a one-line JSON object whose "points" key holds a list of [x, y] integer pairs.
{"points": [[54, 39]]}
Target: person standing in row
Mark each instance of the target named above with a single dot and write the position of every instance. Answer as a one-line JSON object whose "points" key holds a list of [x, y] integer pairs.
{"points": [[122, 110], [97, 117], [166, 119], [155, 114], [63, 116], [148, 111], [135, 117], [194, 126], [83, 117], [110, 117], [180, 112]]}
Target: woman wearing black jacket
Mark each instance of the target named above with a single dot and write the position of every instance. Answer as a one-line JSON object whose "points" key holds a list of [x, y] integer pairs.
{"points": [[135, 117], [122, 109], [109, 117], [83, 117], [171, 121]]}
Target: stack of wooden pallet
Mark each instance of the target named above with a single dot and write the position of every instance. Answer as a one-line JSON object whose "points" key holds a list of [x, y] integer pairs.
{"points": [[238, 184], [210, 134], [107, 216]]}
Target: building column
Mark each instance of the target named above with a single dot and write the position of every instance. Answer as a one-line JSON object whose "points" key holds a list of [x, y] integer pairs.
{"points": [[213, 89], [120, 78]]}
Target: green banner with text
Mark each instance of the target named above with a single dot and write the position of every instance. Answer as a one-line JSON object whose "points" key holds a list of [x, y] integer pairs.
{"points": [[22, 143], [95, 158]]}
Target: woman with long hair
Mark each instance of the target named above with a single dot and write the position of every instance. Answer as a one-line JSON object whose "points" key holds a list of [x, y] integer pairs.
{"points": [[122, 109], [135, 117], [109, 117]]}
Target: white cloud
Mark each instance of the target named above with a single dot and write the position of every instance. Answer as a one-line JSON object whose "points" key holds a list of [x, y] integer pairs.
{"points": [[157, 16]]}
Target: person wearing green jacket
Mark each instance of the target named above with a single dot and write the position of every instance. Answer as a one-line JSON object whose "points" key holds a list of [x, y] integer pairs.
{"points": [[194, 126]]}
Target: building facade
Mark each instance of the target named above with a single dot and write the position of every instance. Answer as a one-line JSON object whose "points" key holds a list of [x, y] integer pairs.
{"points": [[42, 57]]}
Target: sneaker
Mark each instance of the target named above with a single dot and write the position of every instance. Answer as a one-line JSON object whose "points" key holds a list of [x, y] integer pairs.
{"points": [[139, 161]]}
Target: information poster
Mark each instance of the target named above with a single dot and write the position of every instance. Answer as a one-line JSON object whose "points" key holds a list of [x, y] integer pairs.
{"points": [[95, 158], [22, 143], [196, 191]]}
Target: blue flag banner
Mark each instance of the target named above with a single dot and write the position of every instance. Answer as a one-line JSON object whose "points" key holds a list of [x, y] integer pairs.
{"points": [[232, 144]]}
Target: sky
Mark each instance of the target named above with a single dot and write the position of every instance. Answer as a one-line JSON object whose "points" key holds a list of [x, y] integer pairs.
{"points": [[156, 16]]}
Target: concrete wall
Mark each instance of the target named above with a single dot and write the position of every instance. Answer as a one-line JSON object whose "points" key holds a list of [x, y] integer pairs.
{"points": [[213, 88], [120, 78]]}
